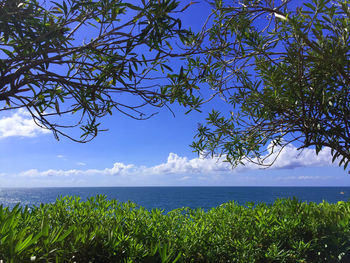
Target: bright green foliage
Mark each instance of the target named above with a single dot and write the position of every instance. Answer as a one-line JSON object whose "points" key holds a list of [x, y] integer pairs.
{"points": [[88, 58], [99, 230], [284, 68]]}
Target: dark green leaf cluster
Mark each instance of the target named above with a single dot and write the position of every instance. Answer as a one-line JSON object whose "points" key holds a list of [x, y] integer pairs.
{"points": [[98, 230], [284, 69], [88, 58]]}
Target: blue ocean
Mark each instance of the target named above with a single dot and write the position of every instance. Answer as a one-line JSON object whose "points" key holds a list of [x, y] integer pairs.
{"points": [[169, 198]]}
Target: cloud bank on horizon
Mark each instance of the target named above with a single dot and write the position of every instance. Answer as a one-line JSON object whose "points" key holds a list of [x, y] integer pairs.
{"points": [[289, 158], [179, 170], [176, 170]]}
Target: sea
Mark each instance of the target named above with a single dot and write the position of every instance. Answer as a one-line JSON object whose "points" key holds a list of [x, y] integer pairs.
{"points": [[169, 198]]}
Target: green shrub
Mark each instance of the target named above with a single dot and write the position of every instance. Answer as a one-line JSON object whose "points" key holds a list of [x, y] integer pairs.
{"points": [[101, 230]]}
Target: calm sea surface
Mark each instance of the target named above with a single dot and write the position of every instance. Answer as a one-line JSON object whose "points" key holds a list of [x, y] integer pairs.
{"points": [[169, 198]]}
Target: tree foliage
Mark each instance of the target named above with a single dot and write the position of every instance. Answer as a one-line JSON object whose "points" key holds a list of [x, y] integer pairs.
{"points": [[284, 68], [88, 58]]}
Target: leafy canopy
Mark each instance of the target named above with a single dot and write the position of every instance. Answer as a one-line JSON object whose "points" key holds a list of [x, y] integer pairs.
{"points": [[284, 68], [88, 58]]}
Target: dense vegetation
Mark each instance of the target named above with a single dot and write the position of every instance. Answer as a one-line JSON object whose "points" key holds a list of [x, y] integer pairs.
{"points": [[98, 230], [283, 68]]}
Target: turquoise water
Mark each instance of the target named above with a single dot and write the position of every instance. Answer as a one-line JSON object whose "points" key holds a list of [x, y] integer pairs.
{"points": [[169, 198]]}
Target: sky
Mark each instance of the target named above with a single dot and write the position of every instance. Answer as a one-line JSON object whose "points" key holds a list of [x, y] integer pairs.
{"points": [[152, 152]]}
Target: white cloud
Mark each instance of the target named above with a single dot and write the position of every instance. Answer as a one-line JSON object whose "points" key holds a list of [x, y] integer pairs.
{"points": [[182, 165], [183, 171], [289, 158], [50, 173], [120, 169], [81, 163], [20, 124], [117, 169]]}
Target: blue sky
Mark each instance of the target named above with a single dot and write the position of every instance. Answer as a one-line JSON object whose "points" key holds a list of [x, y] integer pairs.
{"points": [[153, 152]]}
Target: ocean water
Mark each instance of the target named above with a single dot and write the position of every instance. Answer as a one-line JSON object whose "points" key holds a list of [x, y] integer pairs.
{"points": [[169, 198]]}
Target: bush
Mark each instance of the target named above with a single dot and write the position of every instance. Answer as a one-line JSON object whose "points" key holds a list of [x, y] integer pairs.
{"points": [[101, 230]]}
